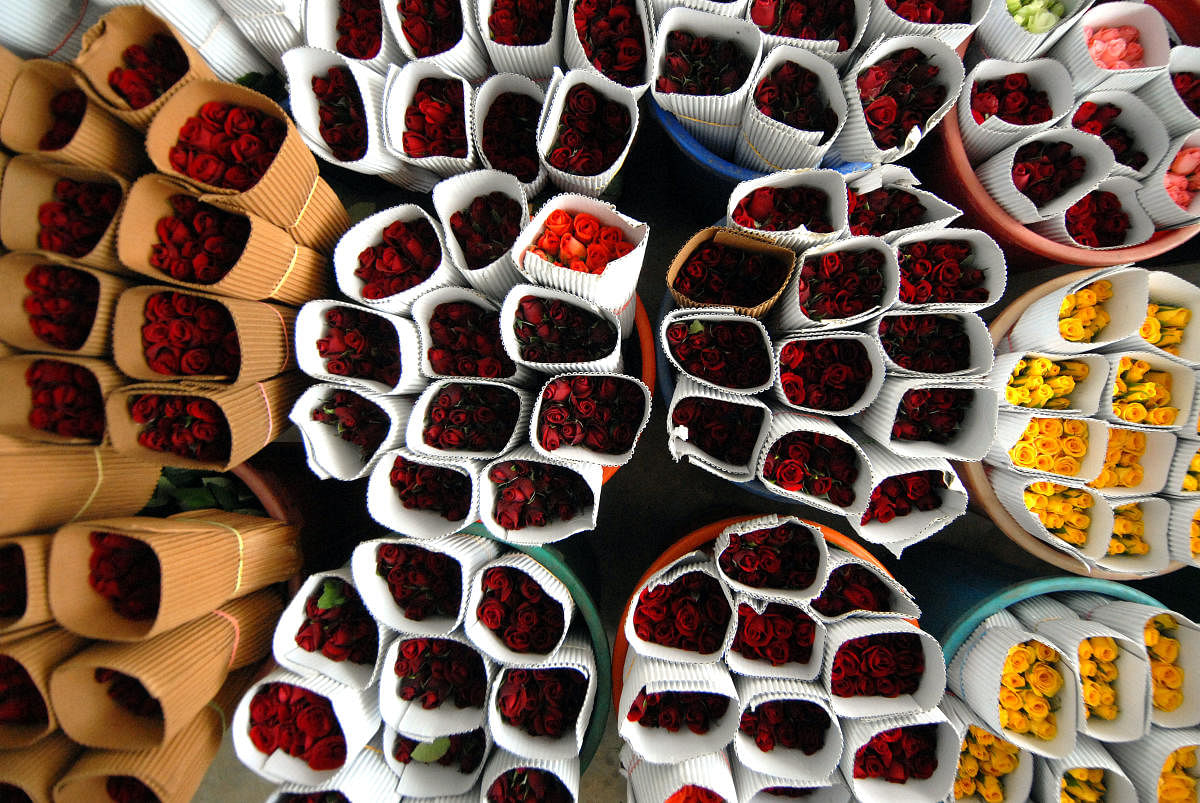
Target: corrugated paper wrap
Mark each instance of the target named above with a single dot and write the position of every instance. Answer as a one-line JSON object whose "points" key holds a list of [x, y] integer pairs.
{"points": [[718, 315], [582, 454], [420, 779], [206, 558], [1156, 515], [1141, 227], [678, 435], [427, 304], [1037, 328], [490, 642], [977, 335], [500, 84], [900, 602], [14, 416], [1160, 95], [397, 97], [331, 455], [10, 65], [455, 194], [385, 506], [1010, 489], [752, 787], [770, 522], [38, 655], [35, 553], [692, 562], [366, 778], [1002, 37], [785, 423], [650, 781], [209, 30], [36, 768], [311, 326], [1010, 428], [970, 442], [319, 28], [792, 670], [271, 26], [575, 58], [271, 266], [875, 358], [792, 763], [790, 316], [755, 244], [1084, 399], [182, 669], [1169, 289], [831, 182], [558, 529], [1090, 754], [536, 62], [48, 31], [466, 57], [857, 732], [501, 761], [938, 213], [981, 140], [985, 256], [414, 437], [1142, 761], [1016, 783], [931, 686], [511, 308], [410, 716]]}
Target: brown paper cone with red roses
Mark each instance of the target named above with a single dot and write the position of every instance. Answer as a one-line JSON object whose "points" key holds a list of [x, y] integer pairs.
{"points": [[197, 425], [26, 714], [153, 575], [49, 303], [44, 486], [10, 65], [273, 173], [67, 209], [34, 769], [49, 114], [163, 332], [159, 685], [253, 258], [701, 257], [104, 50], [25, 601], [64, 400]]}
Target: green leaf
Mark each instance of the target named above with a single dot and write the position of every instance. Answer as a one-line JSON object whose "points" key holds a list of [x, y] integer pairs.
{"points": [[429, 752], [217, 481], [331, 595], [194, 498], [695, 327]]}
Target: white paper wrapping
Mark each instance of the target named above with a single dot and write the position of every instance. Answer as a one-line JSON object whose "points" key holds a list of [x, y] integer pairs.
{"points": [[788, 315], [397, 96], [885, 22], [1142, 761], [385, 506], [410, 717], [1011, 426], [229, 54], [929, 691], [320, 30], [1010, 488], [857, 732], [328, 454], [687, 564], [488, 91], [1182, 388], [1072, 50], [1017, 783], [981, 140], [977, 336], [831, 182], [490, 495], [792, 670], [465, 58], [1160, 95], [1167, 288], [781, 761], [1003, 38], [974, 435], [649, 781], [489, 642], [502, 761], [1084, 399], [985, 256], [1137, 118], [875, 358], [575, 58], [534, 61], [271, 26], [1088, 753], [768, 594], [606, 363], [1158, 204], [422, 313], [1141, 227], [899, 604], [717, 315], [678, 437], [420, 779], [311, 326], [39, 30], [580, 453], [365, 778], [456, 194], [736, 8], [1037, 328], [416, 421], [752, 786], [1183, 512]]}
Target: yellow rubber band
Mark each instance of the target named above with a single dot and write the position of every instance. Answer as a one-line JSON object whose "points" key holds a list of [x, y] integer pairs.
{"points": [[767, 161], [707, 122], [312, 191], [221, 713], [287, 343], [270, 418], [241, 549], [95, 488], [291, 267], [237, 634]]}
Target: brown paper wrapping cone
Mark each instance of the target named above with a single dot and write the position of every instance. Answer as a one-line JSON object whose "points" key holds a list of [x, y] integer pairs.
{"points": [[38, 654], [14, 415], [101, 141], [36, 551], [206, 558], [102, 46], [746, 242], [35, 769], [271, 267], [183, 669], [264, 333], [255, 414], [14, 323], [44, 486], [28, 183], [10, 64]]}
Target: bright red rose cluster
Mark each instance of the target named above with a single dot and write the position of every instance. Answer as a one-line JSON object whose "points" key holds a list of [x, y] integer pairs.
{"points": [[1044, 170], [441, 490], [341, 120], [509, 135], [612, 38], [797, 19], [435, 121], [360, 28], [580, 242], [487, 228], [1098, 119], [66, 109], [599, 413], [884, 210], [790, 724], [532, 494], [12, 581], [592, 132], [732, 354], [464, 751], [360, 345], [520, 23], [431, 26], [883, 664], [852, 587], [465, 341], [299, 722], [521, 614], [149, 70], [553, 330], [338, 625], [478, 418], [783, 557], [723, 430], [1098, 220], [61, 305], [829, 374], [64, 399], [20, 701], [929, 343], [1011, 98], [841, 284], [702, 65], [125, 571], [725, 274], [898, 754], [940, 271], [903, 494], [690, 613], [408, 254], [779, 635], [198, 242], [433, 671], [934, 415], [189, 335], [227, 146], [697, 711], [78, 216], [541, 702], [932, 12], [819, 465], [528, 785], [1187, 85], [129, 693], [188, 426], [128, 789], [423, 582], [792, 95], [784, 209], [356, 420], [900, 93]]}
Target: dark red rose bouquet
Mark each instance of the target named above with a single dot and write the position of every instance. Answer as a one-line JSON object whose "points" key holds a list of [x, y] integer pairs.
{"points": [[852, 587], [884, 210], [1098, 220], [528, 785], [464, 340], [462, 751], [360, 345], [932, 12], [341, 120], [792, 95], [841, 284], [227, 146], [20, 701], [698, 711], [883, 664], [541, 702], [612, 37], [818, 465], [198, 242], [408, 253], [476, 418], [904, 494], [299, 722], [487, 228], [360, 28], [438, 489], [789, 791], [149, 70], [64, 399], [61, 304], [783, 557], [519, 612], [899, 754], [66, 110], [935, 415], [1044, 170], [431, 26], [435, 122], [12, 581], [702, 65], [521, 23], [508, 135], [185, 335], [936, 344], [338, 625], [580, 242], [433, 671], [532, 494], [596, 412], [73, 223], [830, 374], [557, 331], [314, 797], [1098, 119], [723, 430], [899, 93], [125, 572], [689, 613], [781, 634], [1012, 98], [784, 209], [716, 273], [187, 426], [423, 582], [129, 693], [796, 19], [355, 419], [789, 724], [593, 132], [729, 353], [940, 271], [1187, 86]]}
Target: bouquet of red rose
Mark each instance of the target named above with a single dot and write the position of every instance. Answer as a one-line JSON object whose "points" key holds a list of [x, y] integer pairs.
{"points": [[587, 132], [613, 37], [448, 764], [525, 499], [507, 107], [445, 34], [723, 267], [837, 373], [1110, 216], [1044, 173], [951, 21], [345, 432], [683, 613], [960, 268], [26, 714], [1098, 115], [482, 212], [429, 109], [725, 351], [508, 778], [882, 667], [895, 207], [840, 284], [543, 712], [812, 459], [782, 555], [326, 628], [918, 751], [420, 495], [775, 639], [65, 401], [998, 106], [517, 611], [552, 330], [356, 346], [468, 418], [523, 38], [921, 497], [795, 209], [831, 30], [594, 418], [908, 343], [781, 727], [719, 434]]}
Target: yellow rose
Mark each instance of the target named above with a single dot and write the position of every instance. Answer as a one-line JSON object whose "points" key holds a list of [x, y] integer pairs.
{"points": [[1167, 649], [1044, 679], [1023, 455], [1067, 306], [1017, 661], [1074, 535], [991, 792], [978, 751], [1076, 369], [1004, 763], [1074, 446], [1166, 674], [1104, 648], [1014, 721], [1066, 466], [968, 766], [1173, 316], [1009, 699], [1107, 671], [1062, 385], [1045, 729], [982, 736], [1106, 711], [1091, 693], [1087, 667], [1176, 788], [1129, 476], [1044, 463], [1186, 757], [1044, 652], [1151, 634], [1016, 396], [1046, 445], [1086, 297], [1035, 705], [1151, 330], [1167, 699], [1163, 416], [1134, 413], [963, 787], [1071, 330], [1050, 427]]}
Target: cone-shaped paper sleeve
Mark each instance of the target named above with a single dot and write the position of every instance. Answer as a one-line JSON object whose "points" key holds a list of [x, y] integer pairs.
{"points": [[271, 266], [14, 416], [10, 65], [181, 669], [38, 655], [744, 242], [36, 768], [35, 551], [206, 557]]}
